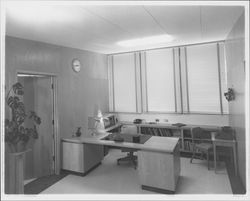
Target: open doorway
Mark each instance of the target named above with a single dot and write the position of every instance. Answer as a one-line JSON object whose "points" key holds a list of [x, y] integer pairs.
{"points": [[39, 96]]}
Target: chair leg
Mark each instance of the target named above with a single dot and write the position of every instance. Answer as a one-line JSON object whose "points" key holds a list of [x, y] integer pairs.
{"points": [[202, 155], [208, 160], [130, 158], [192, 156], [133, 159], [134, 162]]}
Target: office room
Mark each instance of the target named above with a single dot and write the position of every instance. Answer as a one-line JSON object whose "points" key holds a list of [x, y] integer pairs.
{"points": [[125, 100]]}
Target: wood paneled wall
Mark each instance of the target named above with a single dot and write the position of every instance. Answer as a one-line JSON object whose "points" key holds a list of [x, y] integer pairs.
{"points": [[79, 94]]}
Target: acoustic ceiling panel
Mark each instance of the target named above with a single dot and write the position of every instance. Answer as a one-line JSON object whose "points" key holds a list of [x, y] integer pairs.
{"points": [[99, 28]]}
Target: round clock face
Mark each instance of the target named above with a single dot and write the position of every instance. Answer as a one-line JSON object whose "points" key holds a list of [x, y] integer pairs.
{"points": [[76, 65]]}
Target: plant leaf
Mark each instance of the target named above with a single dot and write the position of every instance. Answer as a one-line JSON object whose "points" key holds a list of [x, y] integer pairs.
{"points": [[21, 130], [18, 88], [35, 118], [13, 102], [10, 101], [35, 133], [15, 132]]}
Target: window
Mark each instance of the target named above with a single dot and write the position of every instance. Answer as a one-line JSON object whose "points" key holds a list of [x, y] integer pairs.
{"points": [[124, 82], [189, 79], [203, 80], [160, 80]]}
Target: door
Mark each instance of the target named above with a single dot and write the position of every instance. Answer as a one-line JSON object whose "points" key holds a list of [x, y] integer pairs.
{"points": [[38, 97]]}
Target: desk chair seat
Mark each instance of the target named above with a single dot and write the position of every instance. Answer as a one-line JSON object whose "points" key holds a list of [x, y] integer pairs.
{"points": [[204, 146], [198, 138], [129, 158]]}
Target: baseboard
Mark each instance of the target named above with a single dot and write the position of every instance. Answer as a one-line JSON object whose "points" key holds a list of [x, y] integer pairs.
{"points": [[235, 181], [81, 173], [157, 190]]}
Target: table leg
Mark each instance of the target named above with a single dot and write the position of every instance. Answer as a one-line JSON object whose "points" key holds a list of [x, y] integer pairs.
{"points": [[235, 159], [215, 165], [182, 137]]}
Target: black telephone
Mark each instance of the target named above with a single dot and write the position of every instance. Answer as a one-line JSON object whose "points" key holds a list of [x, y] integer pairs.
{"points": [[137, 121]]}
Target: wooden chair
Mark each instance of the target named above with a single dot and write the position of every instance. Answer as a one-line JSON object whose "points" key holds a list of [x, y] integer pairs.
{"points": [[201, 143], [130, 157], [227, 146]]}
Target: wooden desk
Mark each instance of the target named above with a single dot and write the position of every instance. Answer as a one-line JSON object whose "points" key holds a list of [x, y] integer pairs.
{"points": [[224, 143], [158, 159]]}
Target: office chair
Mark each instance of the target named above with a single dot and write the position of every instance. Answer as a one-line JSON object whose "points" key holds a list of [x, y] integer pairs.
{"points": [[130, 157], [200, 141], [226, 133]]}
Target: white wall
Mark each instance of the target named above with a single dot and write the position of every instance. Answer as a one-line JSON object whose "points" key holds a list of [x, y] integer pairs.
{"points": [[235, 56]]}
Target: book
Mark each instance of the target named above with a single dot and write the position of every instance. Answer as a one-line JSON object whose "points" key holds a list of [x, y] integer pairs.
{"points": [[179, 124]]}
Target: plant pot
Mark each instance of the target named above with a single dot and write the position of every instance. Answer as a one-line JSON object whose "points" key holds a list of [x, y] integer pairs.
{"points": [[16, 172]]}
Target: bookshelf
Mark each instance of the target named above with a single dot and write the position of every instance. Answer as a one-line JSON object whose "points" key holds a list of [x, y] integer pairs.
{"points": [[183, 133]]}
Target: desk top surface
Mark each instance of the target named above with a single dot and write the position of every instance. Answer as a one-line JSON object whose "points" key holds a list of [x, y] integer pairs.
{"points": [[171, 126], [155, 143]]}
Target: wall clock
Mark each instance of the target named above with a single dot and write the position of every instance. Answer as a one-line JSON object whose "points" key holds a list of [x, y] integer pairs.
{"points": [[76, 65]]}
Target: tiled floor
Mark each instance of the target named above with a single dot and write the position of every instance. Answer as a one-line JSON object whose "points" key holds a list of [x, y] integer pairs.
{"points": [[109, 178]]}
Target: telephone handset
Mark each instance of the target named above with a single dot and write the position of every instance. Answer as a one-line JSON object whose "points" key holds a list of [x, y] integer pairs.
{"points": [[137, 121]]}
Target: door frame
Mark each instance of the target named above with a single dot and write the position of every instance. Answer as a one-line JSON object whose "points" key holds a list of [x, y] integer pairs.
{"points": [[53, 77]]}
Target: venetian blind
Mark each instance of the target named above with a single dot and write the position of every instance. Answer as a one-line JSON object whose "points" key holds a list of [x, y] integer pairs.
{"points": [[203, 78], [124, 82], [160, 80]]}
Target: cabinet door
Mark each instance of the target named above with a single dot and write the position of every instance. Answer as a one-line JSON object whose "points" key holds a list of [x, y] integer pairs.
{"points": [[158, 170], [93, 154], [72, 157]]}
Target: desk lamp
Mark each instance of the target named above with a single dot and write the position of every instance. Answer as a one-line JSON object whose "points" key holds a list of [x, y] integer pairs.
{"points": [[96, 124]]}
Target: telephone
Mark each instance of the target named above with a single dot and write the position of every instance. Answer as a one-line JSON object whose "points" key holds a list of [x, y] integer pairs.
{"points": [[137, 121]]}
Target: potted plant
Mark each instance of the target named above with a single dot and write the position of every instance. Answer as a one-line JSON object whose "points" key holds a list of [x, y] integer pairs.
{"points": [[17, 135]]}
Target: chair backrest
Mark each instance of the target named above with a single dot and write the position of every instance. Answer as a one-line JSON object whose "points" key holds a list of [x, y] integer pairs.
{"points": [[226, 133], [199, 133], [228, 129]]}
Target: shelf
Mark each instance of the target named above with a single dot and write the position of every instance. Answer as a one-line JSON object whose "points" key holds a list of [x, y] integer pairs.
{"points": [[184, 150], [203, 139], [185, 138], [197, 139], [188, 151]]}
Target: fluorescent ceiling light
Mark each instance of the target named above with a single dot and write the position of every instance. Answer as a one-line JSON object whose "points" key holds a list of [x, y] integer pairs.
{"points": [[146, 40], [29, 75]]}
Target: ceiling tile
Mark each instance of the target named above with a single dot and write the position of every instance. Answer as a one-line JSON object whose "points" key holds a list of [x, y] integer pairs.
{"points": [[177, 19], [99, 28], [134, 20], [217, 21]]}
